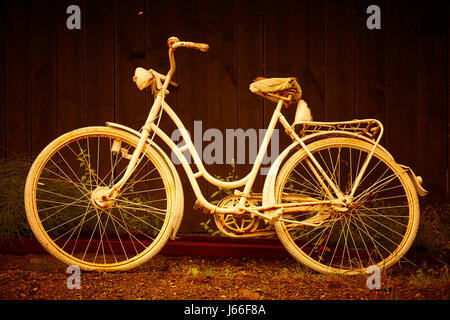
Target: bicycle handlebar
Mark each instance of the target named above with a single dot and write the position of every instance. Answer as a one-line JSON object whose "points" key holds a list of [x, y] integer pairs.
{"points": [[174, 43]]}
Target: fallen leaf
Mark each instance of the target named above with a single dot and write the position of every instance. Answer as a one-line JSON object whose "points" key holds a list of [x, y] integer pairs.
{"points": [[248, 294]]}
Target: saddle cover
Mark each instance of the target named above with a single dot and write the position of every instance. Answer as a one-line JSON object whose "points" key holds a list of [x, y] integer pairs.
{"points": [[279, 86]]}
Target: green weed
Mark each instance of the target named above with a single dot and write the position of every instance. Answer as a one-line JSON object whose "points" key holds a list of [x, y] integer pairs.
{"points": [[13, 221], [229, 274]]}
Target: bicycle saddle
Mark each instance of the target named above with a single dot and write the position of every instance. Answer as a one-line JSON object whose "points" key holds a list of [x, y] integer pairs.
{"points": [[274, 89]]}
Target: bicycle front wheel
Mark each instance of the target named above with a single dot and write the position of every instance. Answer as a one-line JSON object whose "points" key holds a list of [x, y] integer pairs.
{"points": [[377, 227], [64, 183]]}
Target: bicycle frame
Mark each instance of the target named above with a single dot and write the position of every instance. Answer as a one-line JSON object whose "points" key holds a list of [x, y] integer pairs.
{"points": [[160, 105]]}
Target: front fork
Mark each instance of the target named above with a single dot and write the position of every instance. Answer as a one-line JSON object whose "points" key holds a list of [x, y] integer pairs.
{"points": [[114, 191]]}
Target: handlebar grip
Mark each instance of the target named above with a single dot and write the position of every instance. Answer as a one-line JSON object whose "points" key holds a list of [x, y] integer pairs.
{"points": [[198, 46], [174, 43], [171, 41]]}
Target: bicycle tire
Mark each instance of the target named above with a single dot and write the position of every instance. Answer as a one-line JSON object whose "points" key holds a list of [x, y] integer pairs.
{"points": [[372, 225], [133, 218]]}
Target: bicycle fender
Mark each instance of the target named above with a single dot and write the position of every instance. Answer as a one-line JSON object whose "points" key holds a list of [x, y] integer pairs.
{"points": [[416, 180], [179, 194], [268, 194]]}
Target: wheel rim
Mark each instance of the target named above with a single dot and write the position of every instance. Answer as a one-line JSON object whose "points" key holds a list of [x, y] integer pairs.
{"points": [[377, 225], [83, 232]]}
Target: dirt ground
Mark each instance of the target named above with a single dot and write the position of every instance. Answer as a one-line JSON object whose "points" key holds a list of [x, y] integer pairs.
{"points": [[40, 276]]}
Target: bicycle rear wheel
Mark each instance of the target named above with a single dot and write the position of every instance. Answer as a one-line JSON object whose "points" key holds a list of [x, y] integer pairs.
{"points": [[60, 193], [379, 225]]}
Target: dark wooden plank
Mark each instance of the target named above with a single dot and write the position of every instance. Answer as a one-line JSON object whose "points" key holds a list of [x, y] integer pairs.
{"points": [[370, 65], [448, 99], [130, 54], [309, 58], [161, 25], [191, 95], [432, 99], [278, 38], [221, 79], [339, 60], [43, 65], [250, 65], [70, 70], [191, 64], [401, 123], [2, 79], [99, 62], [278, 62], [18, 78]]}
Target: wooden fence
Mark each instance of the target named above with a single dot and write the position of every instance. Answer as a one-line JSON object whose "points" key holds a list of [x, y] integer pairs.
{"points": [[53, 79]]}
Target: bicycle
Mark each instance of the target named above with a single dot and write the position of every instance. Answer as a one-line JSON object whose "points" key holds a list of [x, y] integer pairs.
{"points": [[108, 198]]}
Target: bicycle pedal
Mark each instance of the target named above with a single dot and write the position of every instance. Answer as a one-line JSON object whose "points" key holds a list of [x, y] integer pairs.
{"points": [[200, 208]]}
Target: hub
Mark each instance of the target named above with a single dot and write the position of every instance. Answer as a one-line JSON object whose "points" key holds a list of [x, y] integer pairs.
{"points": [[345, 205], [100, 200]]}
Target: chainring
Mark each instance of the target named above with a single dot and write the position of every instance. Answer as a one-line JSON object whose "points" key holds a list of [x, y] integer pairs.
{"points": [[234, 225]]}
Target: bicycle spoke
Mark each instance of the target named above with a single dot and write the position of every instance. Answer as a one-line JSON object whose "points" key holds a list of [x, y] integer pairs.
{"points": [[142, 206], [389, 217], [85, 191], [127, 230], [363, 242], [74, 228], [59, 194], [120, 241]]}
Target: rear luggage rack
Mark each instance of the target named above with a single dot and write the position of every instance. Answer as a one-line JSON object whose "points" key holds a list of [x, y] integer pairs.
{"points": [[369, 128]]}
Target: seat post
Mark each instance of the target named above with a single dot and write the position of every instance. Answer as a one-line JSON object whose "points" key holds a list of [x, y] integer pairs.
{"points": [[262, 151], [288, 101]]}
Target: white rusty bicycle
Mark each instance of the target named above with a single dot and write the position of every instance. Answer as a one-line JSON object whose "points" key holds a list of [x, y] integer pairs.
{"points": [[108, 198]]}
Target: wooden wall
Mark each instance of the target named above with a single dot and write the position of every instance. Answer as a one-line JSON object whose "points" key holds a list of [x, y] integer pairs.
{"points": [[53, 79]]}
